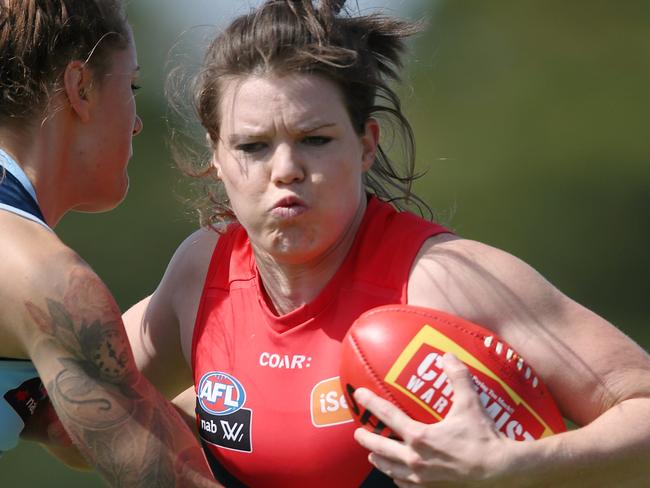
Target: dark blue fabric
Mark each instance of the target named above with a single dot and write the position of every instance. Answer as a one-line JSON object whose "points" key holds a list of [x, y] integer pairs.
{"points": [[220, 473], [14, 194], [376, 479]]}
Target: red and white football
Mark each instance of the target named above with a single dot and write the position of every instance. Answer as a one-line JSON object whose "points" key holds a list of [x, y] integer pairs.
{"points": [[396, 351]]}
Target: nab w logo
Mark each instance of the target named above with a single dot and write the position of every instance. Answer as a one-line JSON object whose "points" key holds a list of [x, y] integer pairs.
{"points": [[232, 432], [220, 393], [228, 431]]}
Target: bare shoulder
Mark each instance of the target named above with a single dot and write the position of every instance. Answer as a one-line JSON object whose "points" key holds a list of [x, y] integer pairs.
{"points": [[192, 257], [554, 333], [160, 327], [187, 272], [36, 266], [183, 280], [475, 279]]}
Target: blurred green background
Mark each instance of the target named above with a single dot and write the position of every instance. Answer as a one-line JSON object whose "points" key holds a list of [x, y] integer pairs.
{"points": [[532, 120]]}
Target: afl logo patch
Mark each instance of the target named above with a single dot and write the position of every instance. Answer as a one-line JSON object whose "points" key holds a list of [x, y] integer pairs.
{"points": [[220, 393]]}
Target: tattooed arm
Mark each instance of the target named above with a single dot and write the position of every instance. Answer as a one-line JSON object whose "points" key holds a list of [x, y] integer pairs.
{"points": [[74, 334]]}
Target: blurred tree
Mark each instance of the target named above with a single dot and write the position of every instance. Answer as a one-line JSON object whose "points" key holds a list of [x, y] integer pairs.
{"points": [[532, 122]]}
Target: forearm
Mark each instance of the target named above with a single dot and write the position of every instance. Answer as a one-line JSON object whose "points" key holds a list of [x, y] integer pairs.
{"points": [[613, 450], [130, 433], [465, 449]]}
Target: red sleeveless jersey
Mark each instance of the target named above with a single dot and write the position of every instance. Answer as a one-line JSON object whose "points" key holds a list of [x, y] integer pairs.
{"points": [[270, 409]]}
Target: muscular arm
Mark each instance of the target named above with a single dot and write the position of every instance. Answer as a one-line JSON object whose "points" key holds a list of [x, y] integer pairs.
{"points": [[74, 334], [599, 378]]}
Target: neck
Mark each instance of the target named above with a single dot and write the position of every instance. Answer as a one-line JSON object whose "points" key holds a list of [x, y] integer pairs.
{"points": [[42, 154], [290, 285]]}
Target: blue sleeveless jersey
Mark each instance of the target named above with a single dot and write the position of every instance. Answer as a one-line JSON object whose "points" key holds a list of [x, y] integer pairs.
{"points": [[20, 387]]}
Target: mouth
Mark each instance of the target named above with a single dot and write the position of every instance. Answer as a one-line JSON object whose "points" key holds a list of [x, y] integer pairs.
{"points": [[289, 207]]}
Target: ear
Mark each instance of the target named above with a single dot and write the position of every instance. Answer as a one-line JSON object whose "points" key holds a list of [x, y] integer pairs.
{"points": [[215, 164], [77, 83], [369, 142]]}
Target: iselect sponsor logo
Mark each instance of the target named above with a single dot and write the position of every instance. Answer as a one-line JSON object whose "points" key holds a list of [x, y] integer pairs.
{"points": [[328, 404]]}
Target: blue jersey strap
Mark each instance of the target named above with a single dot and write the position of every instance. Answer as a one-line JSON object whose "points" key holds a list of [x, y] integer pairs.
{"points": [[14, 195], [17, 194]]}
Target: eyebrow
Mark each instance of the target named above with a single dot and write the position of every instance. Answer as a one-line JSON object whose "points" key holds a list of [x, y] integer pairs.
{"points": [[235, 138], [308, 129]]}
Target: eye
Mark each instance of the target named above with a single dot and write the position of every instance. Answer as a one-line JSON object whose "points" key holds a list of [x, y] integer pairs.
{"points": [[250, 147], [316, 140], [135, 87]]}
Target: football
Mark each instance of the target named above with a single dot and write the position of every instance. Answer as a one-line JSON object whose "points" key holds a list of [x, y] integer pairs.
{"points": [[396, 352]]}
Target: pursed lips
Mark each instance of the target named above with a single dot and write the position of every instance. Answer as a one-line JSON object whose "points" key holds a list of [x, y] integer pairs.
{"points": [[289, 207]]}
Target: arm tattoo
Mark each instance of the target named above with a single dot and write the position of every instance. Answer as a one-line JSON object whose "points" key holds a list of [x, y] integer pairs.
{"points": [[131, 438], [97, 361]]}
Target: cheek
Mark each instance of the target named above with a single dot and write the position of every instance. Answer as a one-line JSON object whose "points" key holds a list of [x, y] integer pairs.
{"points": [[347, 170], [244, 177], [231, 178], [123, 118], [241, 186]]}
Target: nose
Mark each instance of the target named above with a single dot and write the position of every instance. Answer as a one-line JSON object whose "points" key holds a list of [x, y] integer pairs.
{"points": [[286, 165], [137, 125]]}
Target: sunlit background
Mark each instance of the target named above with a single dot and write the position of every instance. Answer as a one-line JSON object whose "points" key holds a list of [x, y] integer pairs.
{"points": [[533, 124]]}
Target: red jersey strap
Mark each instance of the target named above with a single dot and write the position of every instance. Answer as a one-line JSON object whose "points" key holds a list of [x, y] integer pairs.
{"points": [[219, 261], [387, 237], [234, 245]]}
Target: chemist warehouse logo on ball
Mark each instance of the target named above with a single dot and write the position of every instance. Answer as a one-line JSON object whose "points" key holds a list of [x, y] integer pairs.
{"points": [[418, 373], [222, 419]]}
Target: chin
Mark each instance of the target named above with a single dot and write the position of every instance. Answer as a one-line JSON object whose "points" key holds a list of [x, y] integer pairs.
{"points": [[103, 202], [295, 249], [96, 207]]}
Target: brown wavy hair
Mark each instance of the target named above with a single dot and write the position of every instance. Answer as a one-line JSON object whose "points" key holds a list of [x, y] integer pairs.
{"points": [[361, 54], [38, 38]]}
